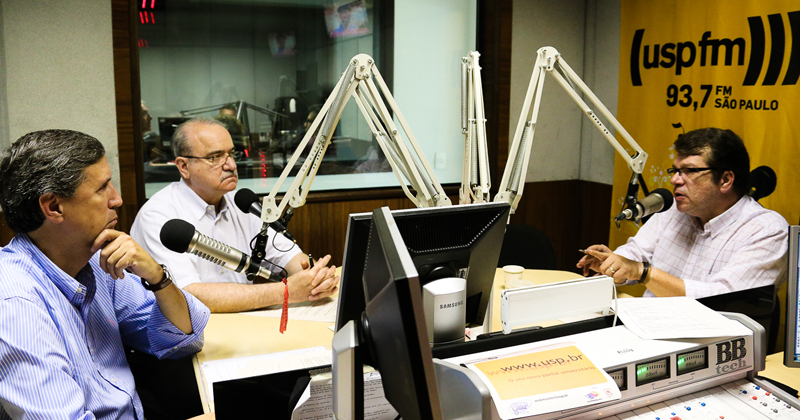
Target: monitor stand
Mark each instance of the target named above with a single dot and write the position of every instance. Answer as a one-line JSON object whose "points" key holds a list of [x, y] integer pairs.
{"points": [[463, 394], [348, 374], [445, 310]]}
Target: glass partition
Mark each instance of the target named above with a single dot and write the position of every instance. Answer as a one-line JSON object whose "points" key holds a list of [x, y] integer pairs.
{"points": [[263, 68]]}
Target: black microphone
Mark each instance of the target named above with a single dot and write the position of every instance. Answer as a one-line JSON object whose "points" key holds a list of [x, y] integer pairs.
{"points": [[180, 236], [247, 201], [761, 182], [659, 200]]}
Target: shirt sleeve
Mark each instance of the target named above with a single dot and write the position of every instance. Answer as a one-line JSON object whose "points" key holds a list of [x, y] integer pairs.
{"points": [[144, 327], [146, 231], [759, 260], [641, 246], [35, 374]]}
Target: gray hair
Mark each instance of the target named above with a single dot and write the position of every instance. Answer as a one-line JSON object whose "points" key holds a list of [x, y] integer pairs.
{"points": [[42, 162], [181, 141]]}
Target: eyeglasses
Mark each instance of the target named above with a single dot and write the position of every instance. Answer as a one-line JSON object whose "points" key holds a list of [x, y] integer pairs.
{"points": [[686, 171], [218, 159]]}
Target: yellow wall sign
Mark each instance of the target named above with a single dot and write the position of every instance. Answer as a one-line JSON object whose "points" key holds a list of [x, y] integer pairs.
{"points": [[686, 64]]}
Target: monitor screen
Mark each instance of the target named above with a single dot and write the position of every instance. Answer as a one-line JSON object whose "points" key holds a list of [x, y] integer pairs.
{"points": [[282, 44], [347, 19], [454, 241], [167, 126], [791, 354]]}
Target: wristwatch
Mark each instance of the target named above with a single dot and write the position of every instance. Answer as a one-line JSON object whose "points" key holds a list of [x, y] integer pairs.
{"points": [[645, 271], [166, 281]]}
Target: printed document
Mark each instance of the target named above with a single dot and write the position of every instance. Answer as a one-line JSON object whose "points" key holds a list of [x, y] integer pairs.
{"points": [[316, 403], [675, 317]]}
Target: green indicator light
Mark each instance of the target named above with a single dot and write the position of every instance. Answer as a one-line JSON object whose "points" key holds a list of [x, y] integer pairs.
{"points": [[681, 361]]}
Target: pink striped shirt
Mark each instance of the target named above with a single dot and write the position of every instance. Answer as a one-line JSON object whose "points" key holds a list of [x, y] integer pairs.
{"points": [[743, 248]]}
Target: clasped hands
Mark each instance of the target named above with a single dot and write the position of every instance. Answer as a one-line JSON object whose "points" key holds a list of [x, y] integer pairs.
{"points": [[600, 259], [313, 283]]}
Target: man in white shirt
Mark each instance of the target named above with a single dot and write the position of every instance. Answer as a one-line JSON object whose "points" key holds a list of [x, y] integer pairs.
{"points": [[203, 197], [715, 240]]}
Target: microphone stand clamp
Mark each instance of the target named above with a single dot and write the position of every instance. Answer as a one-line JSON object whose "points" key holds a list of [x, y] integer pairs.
{"points": [[259, 252]]}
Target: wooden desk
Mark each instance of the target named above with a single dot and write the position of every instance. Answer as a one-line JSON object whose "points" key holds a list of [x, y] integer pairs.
{"points": [[777, 371], [237, 335]]}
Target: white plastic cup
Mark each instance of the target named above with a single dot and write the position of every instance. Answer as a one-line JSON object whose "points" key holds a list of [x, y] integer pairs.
{"points": [[513, 277]]}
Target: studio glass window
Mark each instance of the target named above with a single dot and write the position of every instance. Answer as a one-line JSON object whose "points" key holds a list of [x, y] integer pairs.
{"points": [[263, 69]]}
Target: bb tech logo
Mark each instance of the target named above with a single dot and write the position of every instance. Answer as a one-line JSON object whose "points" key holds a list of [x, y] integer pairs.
{"points": [[710, 50]]}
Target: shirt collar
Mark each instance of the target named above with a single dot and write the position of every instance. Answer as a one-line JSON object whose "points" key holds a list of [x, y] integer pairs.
{"points": [[74, 290], [196, 206]]}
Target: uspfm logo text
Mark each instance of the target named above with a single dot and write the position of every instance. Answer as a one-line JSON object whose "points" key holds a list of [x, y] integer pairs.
{"points": [[710, 50]]}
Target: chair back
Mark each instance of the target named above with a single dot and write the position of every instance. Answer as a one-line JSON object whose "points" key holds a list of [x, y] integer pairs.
{"points": [[528, 247]]}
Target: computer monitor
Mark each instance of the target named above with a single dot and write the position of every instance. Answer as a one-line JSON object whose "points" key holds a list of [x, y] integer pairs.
{"points": [[166, 129], [454, 241], [791, 352], [392, 330]]}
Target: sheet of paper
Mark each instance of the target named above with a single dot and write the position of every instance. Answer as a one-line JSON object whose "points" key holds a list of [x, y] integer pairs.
{"points": [[245, 367], [549, 379], [316, 403], [323, 310], [675, 317]]}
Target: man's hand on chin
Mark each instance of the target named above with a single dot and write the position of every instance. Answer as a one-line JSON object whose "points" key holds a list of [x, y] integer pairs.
{"points": [[120, 252]]}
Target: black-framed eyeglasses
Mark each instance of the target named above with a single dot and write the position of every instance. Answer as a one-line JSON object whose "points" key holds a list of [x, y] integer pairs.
{"points": [[684, 172], [218, 159]]}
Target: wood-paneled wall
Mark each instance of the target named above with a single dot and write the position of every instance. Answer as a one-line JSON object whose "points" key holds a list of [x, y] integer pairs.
{"points": [[574, 214], [128, 98]]}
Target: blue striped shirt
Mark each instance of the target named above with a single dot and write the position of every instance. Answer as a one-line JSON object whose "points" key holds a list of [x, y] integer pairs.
{"points": [[61, 338]]}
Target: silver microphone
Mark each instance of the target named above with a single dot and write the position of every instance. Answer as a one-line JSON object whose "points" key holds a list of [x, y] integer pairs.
{"points": [[180, 236], [659, 200]]}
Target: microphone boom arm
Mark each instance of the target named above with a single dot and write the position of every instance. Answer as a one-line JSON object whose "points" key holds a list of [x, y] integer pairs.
{"points": [[363, 82], [475, 180], [549, 60]]}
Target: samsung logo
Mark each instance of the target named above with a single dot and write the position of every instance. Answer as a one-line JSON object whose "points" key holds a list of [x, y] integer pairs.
{"points": [[451, 305], [711, 50]]}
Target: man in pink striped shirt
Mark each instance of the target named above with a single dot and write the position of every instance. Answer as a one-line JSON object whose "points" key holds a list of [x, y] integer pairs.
{"points": [[715, 239]]}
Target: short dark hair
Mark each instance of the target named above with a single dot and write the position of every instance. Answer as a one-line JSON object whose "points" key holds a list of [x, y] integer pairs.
{"points": [[726, 151], [42, 162]]}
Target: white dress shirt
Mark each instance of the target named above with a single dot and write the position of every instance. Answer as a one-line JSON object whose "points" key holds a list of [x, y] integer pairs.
{"points": [[743, 248], [230, 226]]}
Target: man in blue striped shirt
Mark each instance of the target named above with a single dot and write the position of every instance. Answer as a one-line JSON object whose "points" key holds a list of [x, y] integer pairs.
{"points": [[72, 289]]}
